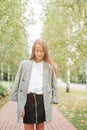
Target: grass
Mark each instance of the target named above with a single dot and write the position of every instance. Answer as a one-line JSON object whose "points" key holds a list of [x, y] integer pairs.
{"points": [[74, 106], [3, 101]]}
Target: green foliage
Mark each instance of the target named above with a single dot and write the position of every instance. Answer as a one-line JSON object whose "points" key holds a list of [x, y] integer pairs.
{"points": [[65, 31], [78, 74], [3, 91], [13, 38], [81, 78]]}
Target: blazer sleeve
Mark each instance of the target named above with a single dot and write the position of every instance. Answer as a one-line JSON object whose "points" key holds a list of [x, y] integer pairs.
{"points": [[14, 93], [55, 97]]}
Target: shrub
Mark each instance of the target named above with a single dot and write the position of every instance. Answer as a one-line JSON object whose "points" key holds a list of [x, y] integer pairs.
{"points": [[3, 91]]}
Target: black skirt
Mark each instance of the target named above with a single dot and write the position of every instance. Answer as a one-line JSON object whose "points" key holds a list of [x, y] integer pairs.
{"points": [[34, 109]]}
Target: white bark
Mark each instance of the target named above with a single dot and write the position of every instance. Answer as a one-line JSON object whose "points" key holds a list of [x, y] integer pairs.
{"points": [[2, 74], [9, 73]]}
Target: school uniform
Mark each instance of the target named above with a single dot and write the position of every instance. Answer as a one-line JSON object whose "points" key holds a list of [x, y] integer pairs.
{"points": [[40, 93]]}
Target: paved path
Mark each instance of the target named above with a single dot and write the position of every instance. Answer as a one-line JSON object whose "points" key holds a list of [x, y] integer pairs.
{"points": [[8, 119], [73, 85]]}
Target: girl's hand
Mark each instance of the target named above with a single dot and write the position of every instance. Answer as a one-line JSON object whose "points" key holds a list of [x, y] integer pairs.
{"points": [[23, 113]]}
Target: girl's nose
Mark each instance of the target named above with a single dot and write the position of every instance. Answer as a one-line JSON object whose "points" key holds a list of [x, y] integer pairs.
{"points": [[39, 53]]}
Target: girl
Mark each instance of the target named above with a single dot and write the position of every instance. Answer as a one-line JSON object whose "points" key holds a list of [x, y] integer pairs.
{"points": [[35, 88]]}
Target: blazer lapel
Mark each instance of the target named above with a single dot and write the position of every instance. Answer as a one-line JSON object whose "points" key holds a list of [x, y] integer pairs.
{"points": [[29, 68], [45, 78]]}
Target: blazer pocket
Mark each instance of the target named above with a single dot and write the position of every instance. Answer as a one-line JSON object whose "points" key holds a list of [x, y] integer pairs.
{"points": [[23, 79]]}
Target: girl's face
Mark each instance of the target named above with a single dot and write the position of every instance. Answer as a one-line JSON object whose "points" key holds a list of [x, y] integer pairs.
{"points": [[39, 53]]}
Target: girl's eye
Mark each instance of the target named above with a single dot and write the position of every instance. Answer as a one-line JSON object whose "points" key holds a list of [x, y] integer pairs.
{"points": [[39, 51], [36, 50]]}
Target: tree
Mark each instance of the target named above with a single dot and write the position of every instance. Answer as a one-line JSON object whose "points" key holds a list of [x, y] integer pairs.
{"points": [[13, 38], [65, 32]]}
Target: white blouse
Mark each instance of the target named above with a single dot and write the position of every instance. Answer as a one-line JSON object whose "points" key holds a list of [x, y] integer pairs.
{"points": [[36, 79]]}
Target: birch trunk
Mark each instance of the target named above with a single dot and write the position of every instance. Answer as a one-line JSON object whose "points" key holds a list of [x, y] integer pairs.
{"points": [[2, 72], [9, 73]]}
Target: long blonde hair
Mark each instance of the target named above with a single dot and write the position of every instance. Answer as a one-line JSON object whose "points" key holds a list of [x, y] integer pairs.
{"points": [[47, 57]]}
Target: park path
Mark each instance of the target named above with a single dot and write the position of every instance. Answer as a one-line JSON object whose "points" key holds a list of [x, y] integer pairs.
{"points": [[8, 119], [73, 85]]}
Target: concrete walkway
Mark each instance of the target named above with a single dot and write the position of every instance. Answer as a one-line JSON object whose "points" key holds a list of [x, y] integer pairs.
{"points": [[8, 119]]}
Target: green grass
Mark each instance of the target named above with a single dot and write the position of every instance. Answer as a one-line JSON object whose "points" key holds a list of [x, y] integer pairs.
{"points": [[3, 101], [74, 106]]}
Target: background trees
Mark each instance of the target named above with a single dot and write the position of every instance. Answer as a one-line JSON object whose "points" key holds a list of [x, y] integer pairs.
{"points": [[13, 38], [65, 28]]}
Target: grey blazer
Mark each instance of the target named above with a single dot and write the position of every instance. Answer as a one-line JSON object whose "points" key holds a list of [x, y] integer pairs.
{"points": [[20, 88]]}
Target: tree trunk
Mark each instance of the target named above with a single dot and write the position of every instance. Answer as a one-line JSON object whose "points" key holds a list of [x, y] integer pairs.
{"points": [[12, 78], [68, 81], [9, 73], [2, 74], [86, 72]]}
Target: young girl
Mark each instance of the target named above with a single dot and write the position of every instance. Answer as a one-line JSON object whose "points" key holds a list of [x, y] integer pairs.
{"points": [[35, 88]]}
